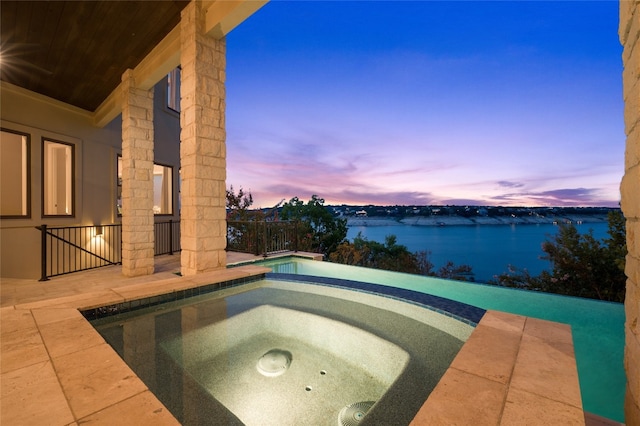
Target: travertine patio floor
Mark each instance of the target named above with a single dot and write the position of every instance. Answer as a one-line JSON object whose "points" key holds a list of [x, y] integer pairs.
{"points": [[57, 370]]}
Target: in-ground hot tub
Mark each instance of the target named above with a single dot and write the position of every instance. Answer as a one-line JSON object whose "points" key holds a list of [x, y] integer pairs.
{"points": [[276, 353], [273, 363]]}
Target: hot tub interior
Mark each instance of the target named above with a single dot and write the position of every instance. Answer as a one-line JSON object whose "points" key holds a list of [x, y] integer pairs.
{"points": [[278, 353]]}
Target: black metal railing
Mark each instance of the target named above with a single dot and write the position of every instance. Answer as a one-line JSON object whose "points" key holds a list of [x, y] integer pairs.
{"points": [[78, 248], [167, 237], [261, 237], [68, 249]]}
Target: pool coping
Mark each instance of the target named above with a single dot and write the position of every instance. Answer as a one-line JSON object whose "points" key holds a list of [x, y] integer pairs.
{"points": [[57, 369], [512, 370], [463, 312]]}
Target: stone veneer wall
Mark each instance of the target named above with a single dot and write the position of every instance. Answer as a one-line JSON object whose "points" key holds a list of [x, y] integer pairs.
{"points": [[630, 190], [203, 225], [137, 178]]}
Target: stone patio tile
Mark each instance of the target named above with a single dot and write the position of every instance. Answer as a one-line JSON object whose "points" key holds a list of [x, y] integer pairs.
{"points": [[92, 300], [209, 278], [503, 321], [15, 319], [461, 398], [547, 367], [68, 335], [138, 291], [95, 378], [51, 315], [32, 396], [548, 330], [21, 348], [79, 301], [141, 409], [524, 408], [227, 274], [490, 353], [252, 269]]}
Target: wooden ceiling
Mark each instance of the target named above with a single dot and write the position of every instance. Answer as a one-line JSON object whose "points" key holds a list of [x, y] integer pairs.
{"points": [[76, 51]]}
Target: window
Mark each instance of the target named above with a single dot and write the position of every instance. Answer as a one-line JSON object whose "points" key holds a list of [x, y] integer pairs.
{"points": [[15, 174], [58, 177], [173, 90], [162, 189]]}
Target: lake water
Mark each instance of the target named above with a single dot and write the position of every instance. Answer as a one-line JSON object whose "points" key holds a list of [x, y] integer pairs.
{"points": [[489, 249]]}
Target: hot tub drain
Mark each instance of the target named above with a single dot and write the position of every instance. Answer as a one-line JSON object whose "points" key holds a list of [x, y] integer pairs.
{"points": [[274, 363], [352, 415]]}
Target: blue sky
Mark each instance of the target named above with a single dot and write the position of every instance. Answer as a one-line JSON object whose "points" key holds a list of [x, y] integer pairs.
{"points": [[425, 102]]}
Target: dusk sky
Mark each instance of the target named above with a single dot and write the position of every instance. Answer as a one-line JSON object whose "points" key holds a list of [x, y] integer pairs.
{"points": [[424, 102]]}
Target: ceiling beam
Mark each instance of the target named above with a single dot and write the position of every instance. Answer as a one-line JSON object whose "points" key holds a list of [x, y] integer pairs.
{"points": [[162, 59], [8, 88], [224, 16]]}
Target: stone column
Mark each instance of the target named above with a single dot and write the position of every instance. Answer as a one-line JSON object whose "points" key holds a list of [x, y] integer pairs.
{"points": [[630, 190], [137, 178], [203, 225]]}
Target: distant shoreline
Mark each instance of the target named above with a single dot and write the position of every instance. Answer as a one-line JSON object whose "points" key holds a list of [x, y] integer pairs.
{"points": [[476, 220]]}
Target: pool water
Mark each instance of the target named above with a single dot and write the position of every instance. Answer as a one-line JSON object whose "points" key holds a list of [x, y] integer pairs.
{"points": [[311, 363], [597, 327], [276, 352]]}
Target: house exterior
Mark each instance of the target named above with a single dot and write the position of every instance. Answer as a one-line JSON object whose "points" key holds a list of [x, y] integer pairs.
{"points": [[117, 145], [91, 176], [84, 88]]}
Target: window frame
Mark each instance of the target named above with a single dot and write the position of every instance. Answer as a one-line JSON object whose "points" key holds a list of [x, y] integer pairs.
{"points": [[27, 171], [119, 187], [173, 87], [170, 186], [72, 177]]}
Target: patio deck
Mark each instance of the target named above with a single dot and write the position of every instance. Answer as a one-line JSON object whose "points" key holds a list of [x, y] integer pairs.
{"points": [[15, 291], [56, 369]]}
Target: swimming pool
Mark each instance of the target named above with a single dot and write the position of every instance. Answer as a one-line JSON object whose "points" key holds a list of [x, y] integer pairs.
{"points": [[277, 351], [597, 327]]}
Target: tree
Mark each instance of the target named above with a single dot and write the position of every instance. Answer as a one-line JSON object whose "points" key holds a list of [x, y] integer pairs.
{"points": [[323, 232], [238, 205], [392, 256], [241, 235], [580, 265], [452, 271], [389, 256]]}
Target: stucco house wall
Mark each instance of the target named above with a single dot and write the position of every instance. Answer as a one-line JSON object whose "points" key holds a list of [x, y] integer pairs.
{"points": [[95, 168]]}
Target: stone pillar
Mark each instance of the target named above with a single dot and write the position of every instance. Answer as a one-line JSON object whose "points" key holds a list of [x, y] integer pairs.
{"points": [[137, 178], [203, 225], [630, 191]]}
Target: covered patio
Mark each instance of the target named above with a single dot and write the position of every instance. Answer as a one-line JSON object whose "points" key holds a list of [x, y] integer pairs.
{"points": [[57, 370]]}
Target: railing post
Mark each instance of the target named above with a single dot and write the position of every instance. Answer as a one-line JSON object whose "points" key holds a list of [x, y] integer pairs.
{"points": [[295, 236], [170, 236], [43, 252], [264, 238], [257, 249]]}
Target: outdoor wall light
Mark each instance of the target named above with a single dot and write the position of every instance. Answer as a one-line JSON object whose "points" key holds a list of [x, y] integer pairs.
{"points": [[99, 230]]}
